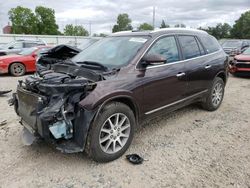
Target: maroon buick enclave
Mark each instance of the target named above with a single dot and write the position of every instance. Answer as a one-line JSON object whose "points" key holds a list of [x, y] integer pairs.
{"points": [[94, 101]]}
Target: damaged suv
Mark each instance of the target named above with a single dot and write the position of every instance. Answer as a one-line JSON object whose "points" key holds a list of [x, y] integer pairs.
{"points": [[95, 101]]}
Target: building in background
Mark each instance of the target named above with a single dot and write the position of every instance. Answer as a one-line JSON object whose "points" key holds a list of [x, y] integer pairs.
{"points": [[7, 29]]}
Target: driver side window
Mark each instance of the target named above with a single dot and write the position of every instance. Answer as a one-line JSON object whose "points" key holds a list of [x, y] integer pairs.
{"points": [[166, 47]]}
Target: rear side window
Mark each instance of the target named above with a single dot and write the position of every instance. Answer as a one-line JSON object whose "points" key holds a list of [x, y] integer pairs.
{"points": [[210, 43], [189, 46]]}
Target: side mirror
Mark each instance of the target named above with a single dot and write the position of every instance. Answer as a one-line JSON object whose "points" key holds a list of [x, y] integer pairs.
{"points": [[153, 59], [34, 55]]}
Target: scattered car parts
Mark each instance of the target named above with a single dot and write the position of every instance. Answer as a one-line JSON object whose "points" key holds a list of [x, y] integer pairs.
{"points": [[4, 122], [5, 92], [134, 159]]}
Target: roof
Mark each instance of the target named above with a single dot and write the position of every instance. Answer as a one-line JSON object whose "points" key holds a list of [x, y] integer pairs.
{"points": [[30, 40], [160, 32]]}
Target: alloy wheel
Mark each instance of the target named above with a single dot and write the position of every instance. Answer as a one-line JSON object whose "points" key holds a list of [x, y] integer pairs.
{"points": [[114, 133], [217, 94]]}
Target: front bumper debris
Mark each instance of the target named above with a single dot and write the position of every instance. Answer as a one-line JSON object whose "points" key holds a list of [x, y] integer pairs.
{"points": [[49, 109]]}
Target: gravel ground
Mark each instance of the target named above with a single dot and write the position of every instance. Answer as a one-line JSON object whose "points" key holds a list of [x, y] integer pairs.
{"points": [[187, 148]]}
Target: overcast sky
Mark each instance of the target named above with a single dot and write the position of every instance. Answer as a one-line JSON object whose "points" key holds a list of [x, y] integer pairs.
{"points": [[103, 13]]}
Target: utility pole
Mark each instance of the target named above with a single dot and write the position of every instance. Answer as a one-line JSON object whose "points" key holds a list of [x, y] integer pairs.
{"points": [[154, 17], [90, 28]]}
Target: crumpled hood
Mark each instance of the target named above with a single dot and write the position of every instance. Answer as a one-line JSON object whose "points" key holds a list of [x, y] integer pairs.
{"points": [[62, 51], [55, 55]]}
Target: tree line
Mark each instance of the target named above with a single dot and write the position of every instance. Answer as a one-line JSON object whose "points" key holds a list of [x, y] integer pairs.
{"points": [[42, 21], [240, 30]]}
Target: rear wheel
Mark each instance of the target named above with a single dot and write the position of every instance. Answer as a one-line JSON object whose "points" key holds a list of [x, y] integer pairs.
{"points": [[17, 69], [111, 133], [215, 95]]}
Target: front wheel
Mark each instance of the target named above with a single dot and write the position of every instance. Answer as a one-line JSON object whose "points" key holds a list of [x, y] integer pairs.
{"points": [[215, 95], [111, 133], [17, 69]]}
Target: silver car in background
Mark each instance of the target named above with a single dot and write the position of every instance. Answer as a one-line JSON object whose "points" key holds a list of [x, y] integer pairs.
{"points": [[17, 46]]}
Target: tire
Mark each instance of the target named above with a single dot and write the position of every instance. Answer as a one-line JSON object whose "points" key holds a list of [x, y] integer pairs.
{"points": [[17, 69], [215, 96], [102, 137]]}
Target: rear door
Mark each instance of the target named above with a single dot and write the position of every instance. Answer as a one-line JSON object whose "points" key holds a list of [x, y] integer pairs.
{"points": [[164, 84], [197, 67]]}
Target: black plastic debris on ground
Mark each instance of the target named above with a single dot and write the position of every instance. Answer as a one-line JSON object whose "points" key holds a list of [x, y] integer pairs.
{"points": [[134, 159], [4, 122], [4, 92]]}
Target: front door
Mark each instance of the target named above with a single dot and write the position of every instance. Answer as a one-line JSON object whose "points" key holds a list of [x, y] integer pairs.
{"points": [[164, 84]]}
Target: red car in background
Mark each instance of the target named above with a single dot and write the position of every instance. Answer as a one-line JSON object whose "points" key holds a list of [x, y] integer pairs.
{"points": [[241, 63], [25, 61]]}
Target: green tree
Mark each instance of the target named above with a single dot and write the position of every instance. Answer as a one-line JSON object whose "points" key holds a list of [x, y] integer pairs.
{"points": [[23, 21], [123, 23], [100, 35], [180, 25], [241, 28], [77, 30], [46, 21], [164, 25], [146, 26], [219, 31]]}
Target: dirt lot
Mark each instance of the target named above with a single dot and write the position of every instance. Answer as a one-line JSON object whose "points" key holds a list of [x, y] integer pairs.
{"points": [[187, 148]]}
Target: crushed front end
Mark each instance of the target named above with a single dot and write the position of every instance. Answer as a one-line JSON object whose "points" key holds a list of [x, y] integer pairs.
{"points": [[48, 106]]}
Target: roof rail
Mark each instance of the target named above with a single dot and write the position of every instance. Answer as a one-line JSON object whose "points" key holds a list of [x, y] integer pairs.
{"points": [[177, 28]]}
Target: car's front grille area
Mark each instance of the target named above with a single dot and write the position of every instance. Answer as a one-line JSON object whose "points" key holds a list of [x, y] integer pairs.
{"points": [[28, 106], [243, 61], [243, 65]]}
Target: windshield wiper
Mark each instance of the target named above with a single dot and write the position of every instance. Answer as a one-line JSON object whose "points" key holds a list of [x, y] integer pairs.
{"points": [[92, 65]]}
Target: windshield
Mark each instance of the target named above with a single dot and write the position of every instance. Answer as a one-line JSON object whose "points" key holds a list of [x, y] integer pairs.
{"points": [[246, 52], [27, 51], [112, 52], [231, 44], [86, 43]]}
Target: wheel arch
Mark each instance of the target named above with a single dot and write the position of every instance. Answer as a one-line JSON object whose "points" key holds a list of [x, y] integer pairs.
{"points": [[222, 75], [127, 100], [16, 62]]}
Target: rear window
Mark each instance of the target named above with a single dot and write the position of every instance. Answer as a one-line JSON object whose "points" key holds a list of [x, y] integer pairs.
{"points": [[210, 43], [189, 47]]}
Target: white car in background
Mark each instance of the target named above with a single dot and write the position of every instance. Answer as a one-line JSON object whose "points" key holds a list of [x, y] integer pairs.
{"points": [[17, 46]]}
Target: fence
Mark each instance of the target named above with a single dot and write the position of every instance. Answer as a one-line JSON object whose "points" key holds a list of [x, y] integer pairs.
{"points": [[49, 39]]}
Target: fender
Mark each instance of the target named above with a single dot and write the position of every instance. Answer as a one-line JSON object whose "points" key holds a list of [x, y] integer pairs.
{"points": [[223, 75], [94, 101]]}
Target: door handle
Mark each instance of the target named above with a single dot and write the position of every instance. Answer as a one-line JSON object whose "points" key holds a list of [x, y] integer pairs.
{"points": [[180, 74], [208, 66]]}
